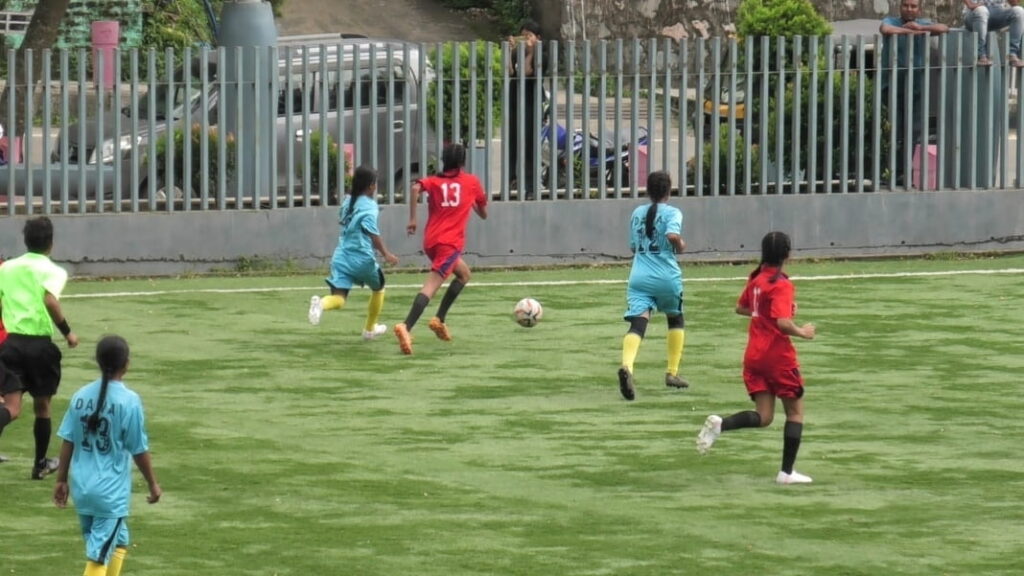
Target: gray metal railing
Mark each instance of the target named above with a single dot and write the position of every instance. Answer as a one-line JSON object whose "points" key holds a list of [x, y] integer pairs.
{"points": [[758, 117]]}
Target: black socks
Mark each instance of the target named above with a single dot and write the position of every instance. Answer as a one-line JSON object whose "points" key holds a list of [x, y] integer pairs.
{"points": [[449, 298], [746, 419], [418, 306], [41, 430], [791, 444]]}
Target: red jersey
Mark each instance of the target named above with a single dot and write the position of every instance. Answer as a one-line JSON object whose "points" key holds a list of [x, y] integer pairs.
{"points": [[450, 198], [768, 348]]}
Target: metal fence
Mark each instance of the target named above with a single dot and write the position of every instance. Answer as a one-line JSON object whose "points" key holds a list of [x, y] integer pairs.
{"points": [[271, 128]]}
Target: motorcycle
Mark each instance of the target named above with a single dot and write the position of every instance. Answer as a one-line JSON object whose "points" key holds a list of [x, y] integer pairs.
{"points": [[600, 156]]}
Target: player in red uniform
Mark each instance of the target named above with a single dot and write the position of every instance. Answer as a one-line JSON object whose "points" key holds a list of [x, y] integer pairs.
{"points": [[451, 195], [770, 367]]}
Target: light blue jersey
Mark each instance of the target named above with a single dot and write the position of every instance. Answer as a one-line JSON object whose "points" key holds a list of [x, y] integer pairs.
{"points": [[354, 260], [101, 482], [655, 279]]}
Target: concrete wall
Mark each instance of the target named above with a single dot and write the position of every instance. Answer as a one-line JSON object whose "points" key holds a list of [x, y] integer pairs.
{"points": [[597, 19], [900, 223]]}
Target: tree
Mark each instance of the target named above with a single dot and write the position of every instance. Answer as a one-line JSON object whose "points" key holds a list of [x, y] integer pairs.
{"points": [[42, 33]]}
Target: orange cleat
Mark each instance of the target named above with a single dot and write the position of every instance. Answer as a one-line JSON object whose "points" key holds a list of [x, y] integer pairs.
{"points": [[440, 329], [404, 338]]}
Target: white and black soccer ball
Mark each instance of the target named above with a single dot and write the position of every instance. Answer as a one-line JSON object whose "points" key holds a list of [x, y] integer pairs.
{"points": [[527, 312]]}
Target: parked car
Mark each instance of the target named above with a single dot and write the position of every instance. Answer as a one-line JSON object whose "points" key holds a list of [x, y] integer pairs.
{"points": [[313, 82]]}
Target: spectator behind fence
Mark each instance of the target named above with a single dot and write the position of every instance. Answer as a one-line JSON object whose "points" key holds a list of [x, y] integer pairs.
{"points": [[528, 70], [902, 30], [986, 16]]}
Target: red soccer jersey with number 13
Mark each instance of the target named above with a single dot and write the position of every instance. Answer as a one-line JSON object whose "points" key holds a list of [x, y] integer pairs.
{"points": [[450, 198], [768, 348]]}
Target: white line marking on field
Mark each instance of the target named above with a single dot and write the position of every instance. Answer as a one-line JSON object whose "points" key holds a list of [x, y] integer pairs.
{"points": [[1006, 271]]}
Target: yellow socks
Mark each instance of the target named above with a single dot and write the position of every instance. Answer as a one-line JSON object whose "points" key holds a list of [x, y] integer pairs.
{"points": [[332, 302], [373, 312], [676, 339], [630, 347], [94, 569], [116, 561]]}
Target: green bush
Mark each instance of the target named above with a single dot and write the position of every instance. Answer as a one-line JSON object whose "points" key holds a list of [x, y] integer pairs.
{"points": [[333, 150], [824, 124], [775, 18], [483, 104], [723, 163], [213, 158]]}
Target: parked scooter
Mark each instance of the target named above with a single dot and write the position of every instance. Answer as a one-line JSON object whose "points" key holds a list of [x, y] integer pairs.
{"points": [[600, 155]]}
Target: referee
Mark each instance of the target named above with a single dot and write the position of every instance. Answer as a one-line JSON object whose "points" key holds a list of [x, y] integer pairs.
{"points": [[30, 289]]}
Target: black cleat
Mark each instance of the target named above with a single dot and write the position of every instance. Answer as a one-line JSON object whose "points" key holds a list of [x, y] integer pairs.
{"points": [[626, 384], [44, 468], [673, 381]]}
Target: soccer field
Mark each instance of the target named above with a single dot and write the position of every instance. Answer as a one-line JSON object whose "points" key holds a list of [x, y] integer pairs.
{"points": [[290, 449]]}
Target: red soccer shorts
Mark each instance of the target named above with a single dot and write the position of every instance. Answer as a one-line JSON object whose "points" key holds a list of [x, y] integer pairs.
{"points": [[443, 258], [784, 383]]}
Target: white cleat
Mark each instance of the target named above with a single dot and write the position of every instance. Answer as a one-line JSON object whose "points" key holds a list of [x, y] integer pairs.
{"points": [[316, 310], [710, 432], [378, 329], [794, 478]]}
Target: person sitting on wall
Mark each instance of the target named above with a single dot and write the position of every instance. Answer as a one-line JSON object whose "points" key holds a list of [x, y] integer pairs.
{"points": [[986, 16], [908, 32]]}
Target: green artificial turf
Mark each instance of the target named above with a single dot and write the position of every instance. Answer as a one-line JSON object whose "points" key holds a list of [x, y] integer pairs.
{"points": [[288, 449]]}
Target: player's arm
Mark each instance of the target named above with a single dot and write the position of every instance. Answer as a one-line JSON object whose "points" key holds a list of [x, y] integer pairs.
{"points": [[378, 244], [481, 210], [57, 315], [677, 242], [145, 465], [414, 199], [744, 311], [790, 328], [60, 489]]}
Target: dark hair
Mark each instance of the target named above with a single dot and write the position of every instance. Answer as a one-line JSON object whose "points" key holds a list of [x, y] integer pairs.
{"points": [[453, 157], [363, 179], [530, 26], [38, 235], [659, 185], [775, 248], [112, 358]]}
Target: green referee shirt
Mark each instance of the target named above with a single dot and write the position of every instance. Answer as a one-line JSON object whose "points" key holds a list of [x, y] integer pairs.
{"points": [[24, 282]]}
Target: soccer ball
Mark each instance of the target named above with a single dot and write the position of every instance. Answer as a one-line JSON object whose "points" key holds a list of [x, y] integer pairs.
{"points": [[527, 312]]}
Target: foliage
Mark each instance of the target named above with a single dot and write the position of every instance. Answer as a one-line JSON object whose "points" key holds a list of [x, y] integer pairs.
{"points": [[213, 158], [824, 123], [780, 18], [738, 167], [333, 150], [508, 14], [483, 104]]}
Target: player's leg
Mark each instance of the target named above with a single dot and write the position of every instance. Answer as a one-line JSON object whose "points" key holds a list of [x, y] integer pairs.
{"points": [[462, 275], [419, 304], [638, 314], [10, 409], [790, 390], [101, 538], [11, 386], [675, 340], [371, 329], [762, 415], [42, 383], [116, 562]]}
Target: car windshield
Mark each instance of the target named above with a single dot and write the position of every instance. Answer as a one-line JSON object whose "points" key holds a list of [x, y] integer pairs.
{"points": [[180, 99]]}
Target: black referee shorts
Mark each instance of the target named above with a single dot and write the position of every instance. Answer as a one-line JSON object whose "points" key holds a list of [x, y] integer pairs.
{"points": [[30, 364]]}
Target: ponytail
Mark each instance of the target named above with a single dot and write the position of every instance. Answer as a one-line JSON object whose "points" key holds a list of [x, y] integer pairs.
{"points": [[93, 423], [112, 358]]}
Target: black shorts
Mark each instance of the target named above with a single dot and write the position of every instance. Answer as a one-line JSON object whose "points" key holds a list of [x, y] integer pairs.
{"points": [[30, 364]]}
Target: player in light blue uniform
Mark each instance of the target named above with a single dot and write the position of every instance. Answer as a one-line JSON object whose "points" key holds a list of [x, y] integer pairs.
{"points": [[655, 281], [104, 429], [354, 260]]}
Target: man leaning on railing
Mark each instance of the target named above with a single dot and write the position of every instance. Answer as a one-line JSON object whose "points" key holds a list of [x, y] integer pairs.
{"points": [[900, 30]]}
